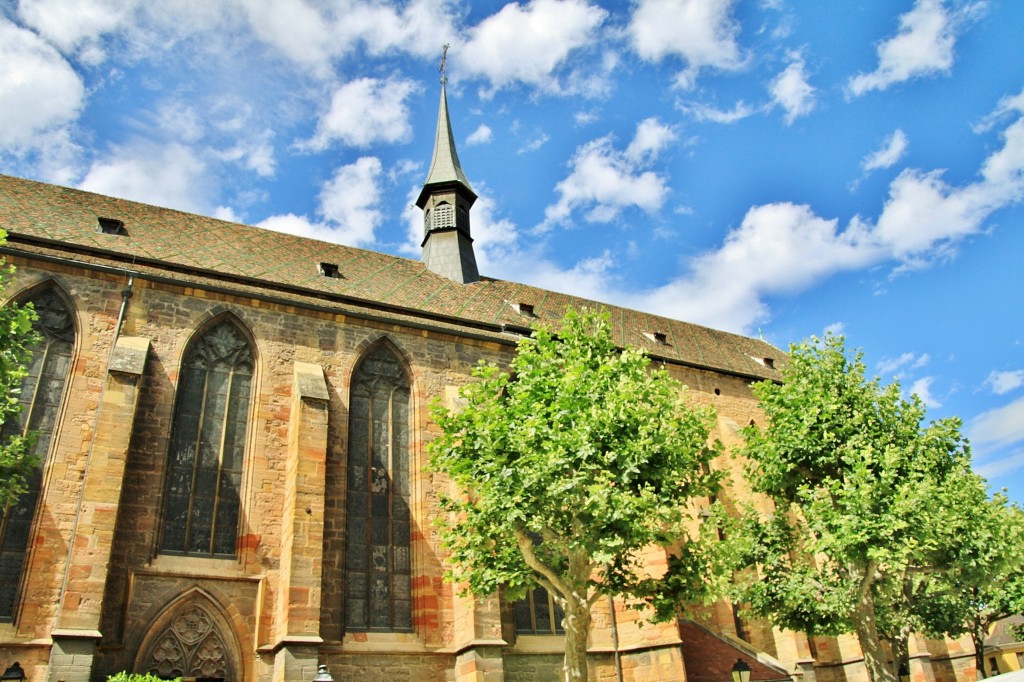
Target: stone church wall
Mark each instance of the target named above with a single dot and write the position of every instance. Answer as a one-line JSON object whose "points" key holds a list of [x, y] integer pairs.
{"points": [[100, 597]]}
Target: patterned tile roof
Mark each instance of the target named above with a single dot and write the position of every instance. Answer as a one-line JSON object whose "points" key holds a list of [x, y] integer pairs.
{"points": [[64, 222]]}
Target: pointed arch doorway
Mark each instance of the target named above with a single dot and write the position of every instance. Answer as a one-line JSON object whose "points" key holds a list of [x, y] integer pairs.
{"points": [[191, 639]]}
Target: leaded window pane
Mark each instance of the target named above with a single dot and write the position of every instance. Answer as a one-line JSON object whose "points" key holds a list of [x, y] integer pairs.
{"points": [[537, 614], [378, 566], [204, 465], [41, 394]]}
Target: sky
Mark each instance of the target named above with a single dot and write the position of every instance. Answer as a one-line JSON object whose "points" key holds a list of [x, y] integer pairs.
{"points": [[777, 168]]}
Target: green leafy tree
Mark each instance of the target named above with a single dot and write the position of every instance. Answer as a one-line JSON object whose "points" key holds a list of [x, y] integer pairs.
{"points": [[571, 465], [16, 341], [861, 494], [985, 579]]}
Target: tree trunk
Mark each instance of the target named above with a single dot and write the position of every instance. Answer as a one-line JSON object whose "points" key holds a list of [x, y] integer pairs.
{"points": [[577, 629], [978, 637], [865, 625], [901, 651]]}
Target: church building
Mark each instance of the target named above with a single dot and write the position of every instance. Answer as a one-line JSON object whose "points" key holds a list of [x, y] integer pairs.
{"points": [[232, 484]]}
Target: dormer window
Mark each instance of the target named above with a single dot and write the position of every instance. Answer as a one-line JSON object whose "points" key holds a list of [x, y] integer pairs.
{"points": [[524, 309], [330, 270], [767, 362], [659, 338], [111, 226]]}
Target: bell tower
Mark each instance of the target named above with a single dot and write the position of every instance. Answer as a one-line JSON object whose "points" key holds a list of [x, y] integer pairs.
{"points": [[445, 199]]}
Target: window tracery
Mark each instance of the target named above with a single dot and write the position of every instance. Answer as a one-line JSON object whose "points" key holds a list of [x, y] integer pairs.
{"points": [[190, 646], [42, 392], [204, 472], [378, 566]]}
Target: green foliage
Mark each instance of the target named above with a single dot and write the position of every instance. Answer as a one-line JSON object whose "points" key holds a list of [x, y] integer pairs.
{"points": [[869, 504], [984, 581], [570, 465], [16, 341], [137, 677]]}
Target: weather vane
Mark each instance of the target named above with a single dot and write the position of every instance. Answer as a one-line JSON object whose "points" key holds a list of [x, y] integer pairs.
{"points": [[444, 58]]}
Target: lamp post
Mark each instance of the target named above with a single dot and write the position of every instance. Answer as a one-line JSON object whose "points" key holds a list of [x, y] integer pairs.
{"points": [[14, 672], [740, 671], [322, 675]]}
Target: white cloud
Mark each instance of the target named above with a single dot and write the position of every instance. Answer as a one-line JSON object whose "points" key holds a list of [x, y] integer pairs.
{"points": [[40, 94], [606, 180], [652, 136], [922, 388], [1004, 464], [350, 201], [297, 30], [892, 150], [481, 135], [923, 46], [533, 145], [998, 428], [72, 26], [782, 247], [700, 31], [419, 27], [906, 361], [703, 112], [792, 92], [528, 43], [1004, 382], [172, 175], [778, 248], [365, 111], [227, 213], [348, 204]]}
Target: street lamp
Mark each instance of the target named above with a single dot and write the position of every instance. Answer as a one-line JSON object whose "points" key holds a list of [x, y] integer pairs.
{"points": [[740, 671], [14, 672], [322, 675]]}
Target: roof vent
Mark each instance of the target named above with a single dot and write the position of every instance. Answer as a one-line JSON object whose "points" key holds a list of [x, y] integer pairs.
{"points": [[767, 362], [112, 226], [330, 270], [659, 338], [524, 309]]}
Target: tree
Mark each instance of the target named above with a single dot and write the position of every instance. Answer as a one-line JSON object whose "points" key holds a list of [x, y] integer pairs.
{"points": [[860, 489], [17, 462], [570, 465], [985, 579]]}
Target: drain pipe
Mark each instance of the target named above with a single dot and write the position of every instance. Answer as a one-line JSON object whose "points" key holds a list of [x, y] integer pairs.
{"points": [[126, 294]]}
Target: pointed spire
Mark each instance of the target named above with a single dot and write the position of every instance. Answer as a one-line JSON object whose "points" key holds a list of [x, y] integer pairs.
{"points": [[444, 166], [445, 199]]}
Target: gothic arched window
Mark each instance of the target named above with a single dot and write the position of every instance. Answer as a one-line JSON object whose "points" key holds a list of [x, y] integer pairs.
{"points": [[41, 394], [378, 566], [204, 466]]}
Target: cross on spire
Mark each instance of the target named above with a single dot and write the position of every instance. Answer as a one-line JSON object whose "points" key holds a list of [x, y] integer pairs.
{"points": [[444, 58]]}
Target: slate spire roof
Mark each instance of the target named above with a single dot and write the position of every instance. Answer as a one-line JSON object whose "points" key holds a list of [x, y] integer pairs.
{"points": [[445, 168]]}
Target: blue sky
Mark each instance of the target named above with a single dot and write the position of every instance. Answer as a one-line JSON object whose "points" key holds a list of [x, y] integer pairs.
{"points": [[772, 167]]}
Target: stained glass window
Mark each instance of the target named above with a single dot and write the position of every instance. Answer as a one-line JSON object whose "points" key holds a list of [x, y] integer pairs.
{"points": [[41, 394], [538, 614], [204, 470], [378, 565]]}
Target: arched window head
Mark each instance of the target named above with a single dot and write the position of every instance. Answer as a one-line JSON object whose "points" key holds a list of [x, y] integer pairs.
{"points": [[204, 466], [193, 641], [378, 565], [42, 392]]}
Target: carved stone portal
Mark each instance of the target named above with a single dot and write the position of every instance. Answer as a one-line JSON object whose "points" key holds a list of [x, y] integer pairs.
{"points": [[189, 646]]}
